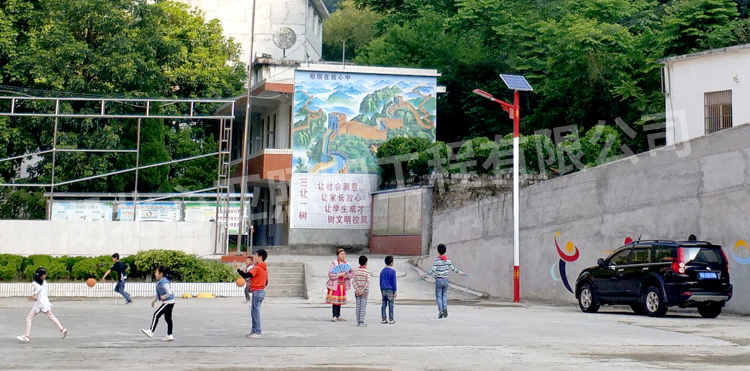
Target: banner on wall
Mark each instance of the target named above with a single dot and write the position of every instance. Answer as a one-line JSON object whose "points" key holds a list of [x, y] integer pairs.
{"points": [[150, 211], [81, 210], [332, 201], [206, 212], [340, 119]]}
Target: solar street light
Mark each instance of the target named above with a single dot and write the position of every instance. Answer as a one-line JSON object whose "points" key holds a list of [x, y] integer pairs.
{"points": [[516, 83]]}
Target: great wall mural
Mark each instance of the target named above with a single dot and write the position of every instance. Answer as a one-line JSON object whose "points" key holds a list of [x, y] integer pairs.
{"points": [[340, 119]]}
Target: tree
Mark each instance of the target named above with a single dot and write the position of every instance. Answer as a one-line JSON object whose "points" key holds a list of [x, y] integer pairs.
{"points": [[119, 48], [349, 24], [695, 25]]}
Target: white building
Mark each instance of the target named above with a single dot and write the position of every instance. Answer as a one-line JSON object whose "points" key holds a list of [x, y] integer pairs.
{"points": [[706, 92], [290, 29]]}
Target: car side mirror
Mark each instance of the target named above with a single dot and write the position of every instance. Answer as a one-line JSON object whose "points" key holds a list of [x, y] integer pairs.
{"points": [[600, 262]]}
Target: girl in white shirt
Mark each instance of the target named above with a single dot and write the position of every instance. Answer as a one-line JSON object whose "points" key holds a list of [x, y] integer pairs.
{"points": [[41, 304]]}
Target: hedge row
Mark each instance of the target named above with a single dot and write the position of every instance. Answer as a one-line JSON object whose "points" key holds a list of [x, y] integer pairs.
{"points": [[416, 157], [183, 267]]}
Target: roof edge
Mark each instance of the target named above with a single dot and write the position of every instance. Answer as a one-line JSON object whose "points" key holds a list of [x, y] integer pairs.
{"points": [[376, 70], [322, 9], [704, 53]]}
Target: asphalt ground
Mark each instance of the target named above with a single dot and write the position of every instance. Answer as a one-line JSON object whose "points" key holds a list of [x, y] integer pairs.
{"points": [[298, 335]]}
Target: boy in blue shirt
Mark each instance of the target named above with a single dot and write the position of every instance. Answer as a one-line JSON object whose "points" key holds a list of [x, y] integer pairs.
{"points": [[388, 289]]}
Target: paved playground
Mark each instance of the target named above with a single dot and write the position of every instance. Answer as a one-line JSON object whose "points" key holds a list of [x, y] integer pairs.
{"points": [[297, 335]]}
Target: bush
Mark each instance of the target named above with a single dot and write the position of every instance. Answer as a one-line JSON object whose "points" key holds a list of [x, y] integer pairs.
{"points": [[480, 156], [93, 267], [70, 261], [56, 268], [389, 151], [184, 267], [10, 266], [132, 270]]}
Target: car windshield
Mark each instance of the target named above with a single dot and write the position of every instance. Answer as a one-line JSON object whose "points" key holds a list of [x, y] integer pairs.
{"points": [[703, 255]]}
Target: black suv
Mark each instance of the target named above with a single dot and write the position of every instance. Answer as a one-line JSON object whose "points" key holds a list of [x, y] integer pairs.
{"points": [[651, 276]]}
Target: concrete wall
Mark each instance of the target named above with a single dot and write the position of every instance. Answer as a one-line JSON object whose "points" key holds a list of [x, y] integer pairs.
{"points": [[689, 77], [336, 237], [77, 238], [654, 195]]}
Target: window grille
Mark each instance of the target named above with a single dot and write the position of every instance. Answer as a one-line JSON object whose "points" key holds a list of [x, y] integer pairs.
{"points": [[718, 110]]}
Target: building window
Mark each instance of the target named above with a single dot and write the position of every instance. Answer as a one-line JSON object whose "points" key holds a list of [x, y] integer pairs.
{"points": [[718, 110]]}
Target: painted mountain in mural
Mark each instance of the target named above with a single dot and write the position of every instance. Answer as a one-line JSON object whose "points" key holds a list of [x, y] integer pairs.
{"points": [[381, 84], [352, 90], [372, 102], [314, 104], [339, 98]]}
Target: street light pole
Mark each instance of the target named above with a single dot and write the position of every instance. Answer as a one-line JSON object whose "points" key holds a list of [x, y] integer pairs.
{"points": [[248, 113], [513, 112], [516, 203]]}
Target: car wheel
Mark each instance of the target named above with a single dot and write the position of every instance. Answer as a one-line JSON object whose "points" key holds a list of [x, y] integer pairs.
{"points": [[710, 311], [653, 302], [638, 309], [587, 299]]}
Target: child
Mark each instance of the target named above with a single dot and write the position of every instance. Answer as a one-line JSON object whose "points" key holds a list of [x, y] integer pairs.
{"points": [[388, 289], [41, 304], [165, 294], [120, 268], [361, 284], [258, 281], [338, 284], [440, 270], [248, 268]]}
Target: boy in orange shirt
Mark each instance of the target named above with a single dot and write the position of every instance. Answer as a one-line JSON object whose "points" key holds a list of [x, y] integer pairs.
{"points": [[258, 281]]}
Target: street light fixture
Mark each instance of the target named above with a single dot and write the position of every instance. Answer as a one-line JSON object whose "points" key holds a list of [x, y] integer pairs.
{"points": [[517, 83]]}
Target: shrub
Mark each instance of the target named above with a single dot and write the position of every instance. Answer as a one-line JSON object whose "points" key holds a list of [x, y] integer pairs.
{"points": [[56, 268], [70, 261], [10, 266], [93, 267], [184, 267], [148, 261], [132, 270], [479, 156], [389, 151]]}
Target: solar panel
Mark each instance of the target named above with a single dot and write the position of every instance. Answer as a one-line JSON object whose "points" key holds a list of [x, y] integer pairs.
{"points": [[516, 82]]}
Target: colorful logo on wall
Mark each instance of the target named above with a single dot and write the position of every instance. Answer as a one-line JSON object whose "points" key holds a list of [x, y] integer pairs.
{"points": [[742, 261], [570, 255]]}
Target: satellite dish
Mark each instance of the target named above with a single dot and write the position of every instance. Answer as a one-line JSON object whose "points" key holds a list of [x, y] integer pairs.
{"points": [[284, 38]]}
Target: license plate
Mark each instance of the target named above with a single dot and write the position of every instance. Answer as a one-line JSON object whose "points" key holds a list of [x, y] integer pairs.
{"points": [[707, 275]]}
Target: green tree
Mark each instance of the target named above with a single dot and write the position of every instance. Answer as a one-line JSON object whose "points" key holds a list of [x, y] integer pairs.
{"points": [[118, 48], [695, 25], [349, 24]]}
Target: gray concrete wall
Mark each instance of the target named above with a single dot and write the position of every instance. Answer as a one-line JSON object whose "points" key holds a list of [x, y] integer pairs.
{"points": [[338, 237], [699, 188], [82, 238]]}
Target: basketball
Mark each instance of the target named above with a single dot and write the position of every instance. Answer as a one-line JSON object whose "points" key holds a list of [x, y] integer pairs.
{"points": [[240, 282], [91, 282]]}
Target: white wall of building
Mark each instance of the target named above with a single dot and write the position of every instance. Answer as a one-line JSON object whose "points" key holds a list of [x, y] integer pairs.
{"points": [[688, 77], [302, 16], [85, 238]]}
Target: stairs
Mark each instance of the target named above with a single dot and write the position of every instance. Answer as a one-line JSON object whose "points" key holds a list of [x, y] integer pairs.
{"points": [[286, 279]]}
